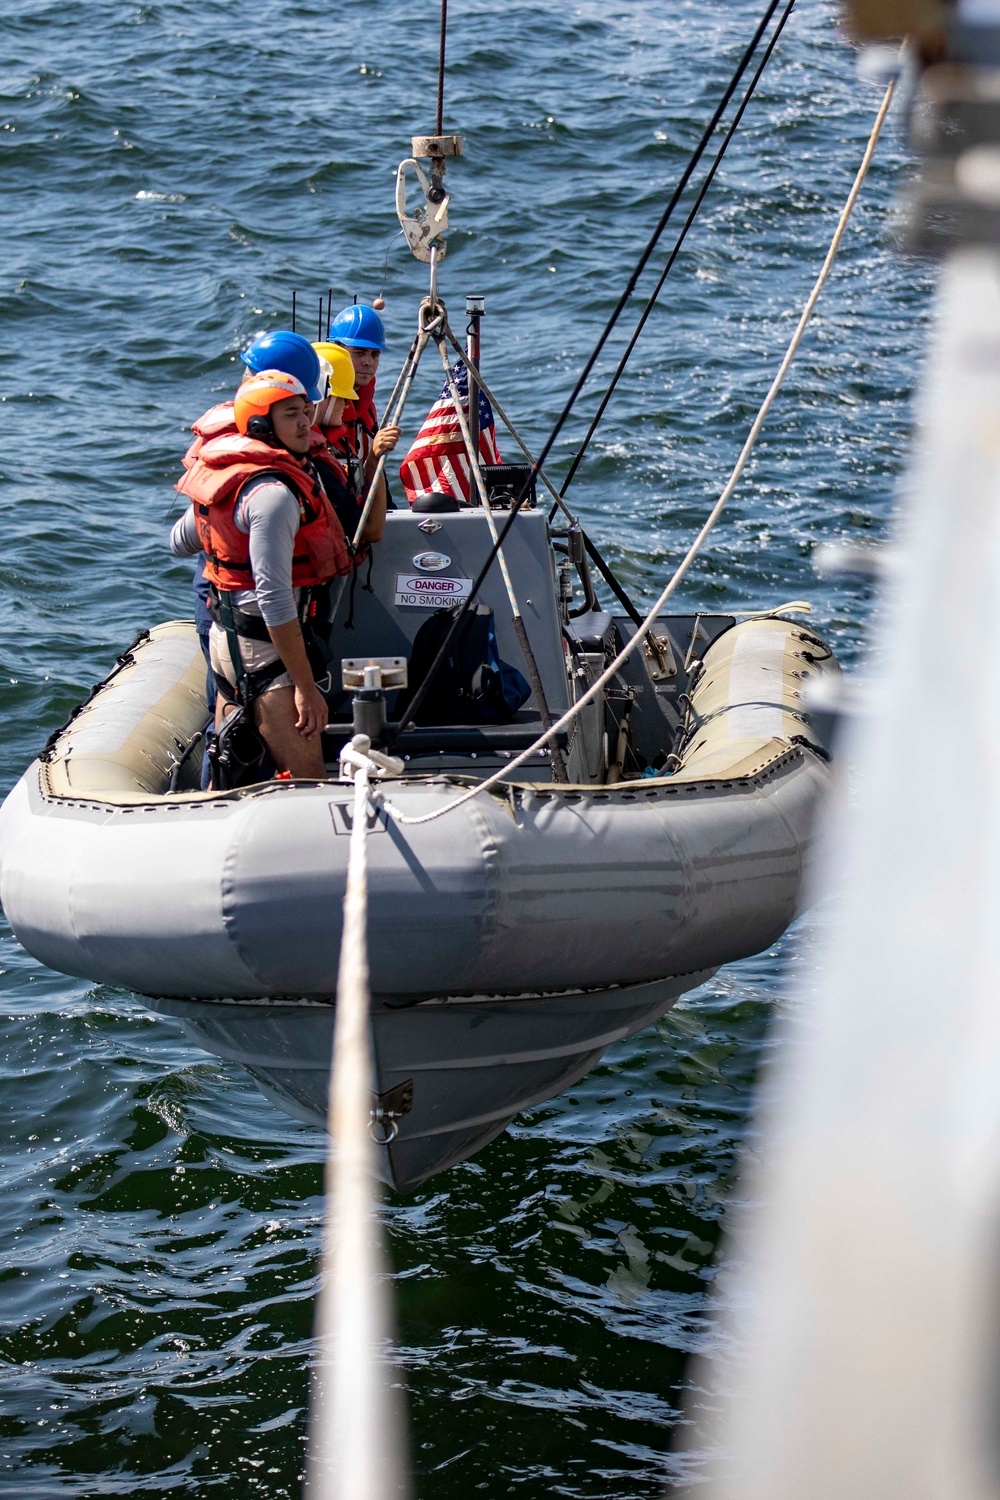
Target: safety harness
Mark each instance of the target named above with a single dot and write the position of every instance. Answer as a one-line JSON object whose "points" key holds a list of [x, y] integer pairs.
{"points": [[314, 619]]}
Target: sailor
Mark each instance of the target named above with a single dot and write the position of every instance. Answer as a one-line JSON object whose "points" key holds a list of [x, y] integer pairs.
{"points": [[280, 350], [358, 441], [336, 382], [273, 544]]}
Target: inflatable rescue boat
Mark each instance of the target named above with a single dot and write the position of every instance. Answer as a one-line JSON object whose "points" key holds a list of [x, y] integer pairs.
{"points": [[511, 941]]}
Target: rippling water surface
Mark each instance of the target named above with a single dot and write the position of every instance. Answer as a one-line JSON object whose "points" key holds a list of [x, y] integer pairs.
{"points": [[170, 173]]}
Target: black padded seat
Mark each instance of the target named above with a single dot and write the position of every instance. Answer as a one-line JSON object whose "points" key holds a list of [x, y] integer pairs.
{"points": [[436, 504], [592, 630]]}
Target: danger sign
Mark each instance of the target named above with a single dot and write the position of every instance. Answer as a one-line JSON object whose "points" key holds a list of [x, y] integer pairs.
{"points": [[434, 591]]}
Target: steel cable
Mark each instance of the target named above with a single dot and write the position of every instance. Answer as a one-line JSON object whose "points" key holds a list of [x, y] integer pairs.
{"points": [[441, 46], [678, 243], [685, 177]]}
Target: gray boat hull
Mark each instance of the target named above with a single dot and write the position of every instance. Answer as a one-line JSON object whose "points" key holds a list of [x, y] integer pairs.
{"points": [[466, 1066], [522, 892]]}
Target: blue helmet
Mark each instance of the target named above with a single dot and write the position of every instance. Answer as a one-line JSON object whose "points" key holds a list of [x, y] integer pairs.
{"points": [[288, 352], [358, 327]]}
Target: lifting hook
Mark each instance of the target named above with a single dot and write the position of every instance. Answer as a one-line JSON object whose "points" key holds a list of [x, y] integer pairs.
{"points": [[425, 226]]}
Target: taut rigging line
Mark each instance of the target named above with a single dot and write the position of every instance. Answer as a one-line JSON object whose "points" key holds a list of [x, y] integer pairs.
{"points": [[441, 44], [651, 244], [671, 258]]}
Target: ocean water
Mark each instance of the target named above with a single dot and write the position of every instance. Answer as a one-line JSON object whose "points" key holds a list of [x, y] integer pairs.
{"points": [[171, 172]]}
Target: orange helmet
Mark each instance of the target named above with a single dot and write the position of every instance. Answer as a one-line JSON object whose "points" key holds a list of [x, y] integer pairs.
{"points": [[254, 399]]}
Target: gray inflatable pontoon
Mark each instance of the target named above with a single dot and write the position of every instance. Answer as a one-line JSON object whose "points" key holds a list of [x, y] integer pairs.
{"points": [[510, 942]]}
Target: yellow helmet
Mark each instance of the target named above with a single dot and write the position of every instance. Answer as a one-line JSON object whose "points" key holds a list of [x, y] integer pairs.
{"points": [[336, 371]]}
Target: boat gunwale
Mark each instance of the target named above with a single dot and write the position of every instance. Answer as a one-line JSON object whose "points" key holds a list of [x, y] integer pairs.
{"points": [[640, 789]]}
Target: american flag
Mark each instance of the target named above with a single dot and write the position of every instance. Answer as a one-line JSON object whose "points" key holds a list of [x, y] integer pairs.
{"points": [[437, 463]]}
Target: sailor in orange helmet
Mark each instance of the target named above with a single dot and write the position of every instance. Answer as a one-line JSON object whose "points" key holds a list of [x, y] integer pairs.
{"points": [[273, 545]]}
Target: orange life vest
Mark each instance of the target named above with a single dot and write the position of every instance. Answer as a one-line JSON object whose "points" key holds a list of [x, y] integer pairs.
{"points": [[215, 476], [218, 421]]}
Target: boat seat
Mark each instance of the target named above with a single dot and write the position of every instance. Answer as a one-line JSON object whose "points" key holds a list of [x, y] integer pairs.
{"points": [[593, 630], [441, 504]]}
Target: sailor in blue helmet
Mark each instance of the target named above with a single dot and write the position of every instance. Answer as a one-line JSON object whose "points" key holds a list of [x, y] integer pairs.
{"points": [[358, 441], [288, 352]]}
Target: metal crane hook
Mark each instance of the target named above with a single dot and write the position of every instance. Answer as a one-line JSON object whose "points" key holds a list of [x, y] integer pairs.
{"points": [[426, 225]]}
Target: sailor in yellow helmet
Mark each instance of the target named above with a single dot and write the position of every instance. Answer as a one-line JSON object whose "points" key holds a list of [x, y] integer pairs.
{"points": [[337, 384]]}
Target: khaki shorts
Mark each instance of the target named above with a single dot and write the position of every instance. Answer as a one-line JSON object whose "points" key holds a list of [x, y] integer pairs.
{"points": [[256, 654]]}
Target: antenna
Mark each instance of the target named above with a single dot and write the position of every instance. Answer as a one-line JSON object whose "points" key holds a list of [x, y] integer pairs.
{"points": [[475, 307], [329, 311], [294, 295]]}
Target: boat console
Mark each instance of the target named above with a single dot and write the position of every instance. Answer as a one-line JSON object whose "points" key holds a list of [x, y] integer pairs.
{"points": [[428, 560]]}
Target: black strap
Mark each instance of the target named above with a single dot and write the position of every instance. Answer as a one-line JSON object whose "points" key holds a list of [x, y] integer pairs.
{"points": [[314, 616], [251, 626], [244, 567], [256, 681], [315, 619], [244, 691], [349, 622], [234, 567]]}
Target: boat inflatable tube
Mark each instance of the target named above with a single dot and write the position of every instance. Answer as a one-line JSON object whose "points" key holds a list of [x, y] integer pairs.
{"points": [[106, 873]]}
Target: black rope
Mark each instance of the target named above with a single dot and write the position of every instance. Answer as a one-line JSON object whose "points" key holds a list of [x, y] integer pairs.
{"points": [[653, 240], [612, 582], [692, 214], [444, 33], [595, 556], [421, 692]]}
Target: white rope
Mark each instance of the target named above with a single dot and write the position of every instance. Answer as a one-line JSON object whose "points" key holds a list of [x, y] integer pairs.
{"points": [[597, 687], [355, 1430], [520, 629]]}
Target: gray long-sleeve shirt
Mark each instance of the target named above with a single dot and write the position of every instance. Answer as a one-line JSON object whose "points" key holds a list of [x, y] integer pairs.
{"points": [[269, 513]]}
